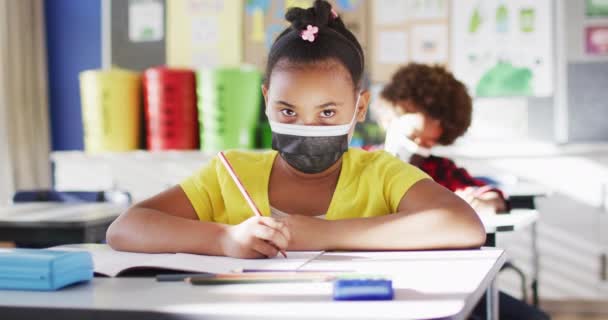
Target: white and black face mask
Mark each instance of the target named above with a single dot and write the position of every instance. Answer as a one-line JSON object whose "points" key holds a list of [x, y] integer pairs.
{"points": [[311, 149], [399, 144]]}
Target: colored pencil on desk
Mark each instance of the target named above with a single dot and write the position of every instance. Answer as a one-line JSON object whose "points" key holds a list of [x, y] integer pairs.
{"points": [[181, 276], [290, 271], [242, 189], [259, 278]]}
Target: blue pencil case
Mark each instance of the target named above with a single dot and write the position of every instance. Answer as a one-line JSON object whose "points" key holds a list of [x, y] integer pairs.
{"points": [[363, 289], [43, 269]]}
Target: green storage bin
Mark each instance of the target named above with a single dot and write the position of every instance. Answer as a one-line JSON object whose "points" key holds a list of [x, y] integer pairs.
{"points": [[229, 107]]}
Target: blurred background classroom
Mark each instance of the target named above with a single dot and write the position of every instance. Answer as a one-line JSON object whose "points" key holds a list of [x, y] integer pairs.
{"points": [[99, 94]]}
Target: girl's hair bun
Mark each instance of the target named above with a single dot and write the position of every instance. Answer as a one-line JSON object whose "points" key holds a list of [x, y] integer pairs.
{"points": [[319, 15]]}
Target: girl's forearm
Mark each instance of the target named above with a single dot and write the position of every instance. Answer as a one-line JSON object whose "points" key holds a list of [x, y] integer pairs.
{"points": [[430, 229], [152, 231]]}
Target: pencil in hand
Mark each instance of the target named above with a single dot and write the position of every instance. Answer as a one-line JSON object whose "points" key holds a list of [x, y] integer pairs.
{"points": [[242, 189]]}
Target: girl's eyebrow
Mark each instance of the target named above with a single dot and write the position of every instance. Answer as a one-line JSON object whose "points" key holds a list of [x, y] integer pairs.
{"points": [[287, 104], [321, 106], [328, 104]]}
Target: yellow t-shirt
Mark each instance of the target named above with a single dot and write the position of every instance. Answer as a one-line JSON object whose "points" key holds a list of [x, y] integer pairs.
{"points": [[370, 184]]}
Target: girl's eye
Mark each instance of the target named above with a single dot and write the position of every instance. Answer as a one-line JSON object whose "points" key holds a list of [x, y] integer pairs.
{"points": [[327, 113], [288, 112]]}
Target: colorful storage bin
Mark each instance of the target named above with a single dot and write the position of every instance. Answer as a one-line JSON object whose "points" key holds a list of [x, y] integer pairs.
{"points": [[229, 107], [170, 106], [111, 106]]}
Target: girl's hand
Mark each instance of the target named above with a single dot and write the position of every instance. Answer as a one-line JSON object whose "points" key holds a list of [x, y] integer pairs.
{"points": [[308, 233], [256, 237]]}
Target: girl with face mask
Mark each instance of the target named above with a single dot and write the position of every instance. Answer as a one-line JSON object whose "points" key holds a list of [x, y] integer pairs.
{"points": [[315, 192]]}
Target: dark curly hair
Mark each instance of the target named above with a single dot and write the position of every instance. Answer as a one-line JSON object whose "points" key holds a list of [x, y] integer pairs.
{"points": [[435, 92]]}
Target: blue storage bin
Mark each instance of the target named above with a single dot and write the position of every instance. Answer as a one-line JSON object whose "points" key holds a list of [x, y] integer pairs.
{"points": [[43, 269]]}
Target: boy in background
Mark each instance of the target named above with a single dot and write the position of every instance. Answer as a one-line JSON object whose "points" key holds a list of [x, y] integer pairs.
{"points": [[423, 106]]}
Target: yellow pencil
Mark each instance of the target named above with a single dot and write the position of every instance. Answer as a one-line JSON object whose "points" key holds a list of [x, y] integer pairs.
{"points": [[242, 189]]}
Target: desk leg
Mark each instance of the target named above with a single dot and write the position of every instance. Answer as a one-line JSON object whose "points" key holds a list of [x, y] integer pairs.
{"points": [[490, 240], [535, 264], [492, 301]]}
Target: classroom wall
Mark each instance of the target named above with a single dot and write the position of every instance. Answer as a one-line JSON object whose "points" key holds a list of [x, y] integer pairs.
{"points": [[577, 114], [73, 36], [577, 109], [542, 110], [587, 79], [588, 101]]}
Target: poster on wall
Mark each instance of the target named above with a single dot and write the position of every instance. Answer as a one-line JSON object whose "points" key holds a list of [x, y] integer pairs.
{"points": [[597, 8], [204, 33], [430, 43], [146, 20], [596, 40], [503, 48]]}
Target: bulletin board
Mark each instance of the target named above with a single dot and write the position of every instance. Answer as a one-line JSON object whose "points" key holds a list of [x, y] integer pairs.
{"points": [[204, 33], [404, 31], [264, 20]]}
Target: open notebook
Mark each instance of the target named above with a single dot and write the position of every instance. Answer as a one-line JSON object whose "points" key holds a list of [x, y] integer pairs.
{"points": [[111, 263]]}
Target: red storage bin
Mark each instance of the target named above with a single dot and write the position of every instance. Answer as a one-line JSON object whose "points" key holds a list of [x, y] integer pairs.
{"points": [[170, 105]]}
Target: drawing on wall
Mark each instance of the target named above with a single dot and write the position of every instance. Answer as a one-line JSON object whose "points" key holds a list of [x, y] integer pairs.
{"points": [[596, 40], [503, 48], [429, 43], [597, 8], [146, 20]]}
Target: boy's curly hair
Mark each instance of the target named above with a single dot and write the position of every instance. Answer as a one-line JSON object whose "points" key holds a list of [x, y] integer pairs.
{"points": [[435, 92]]}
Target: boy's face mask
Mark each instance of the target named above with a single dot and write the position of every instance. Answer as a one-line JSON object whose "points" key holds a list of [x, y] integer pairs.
{"points": [[311, 149], [397, 141]]}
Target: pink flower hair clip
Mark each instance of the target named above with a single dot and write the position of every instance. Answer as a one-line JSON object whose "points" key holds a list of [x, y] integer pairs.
{"points": [[310, 33]]}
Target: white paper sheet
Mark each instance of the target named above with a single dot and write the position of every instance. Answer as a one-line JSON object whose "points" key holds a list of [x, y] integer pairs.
{"points": [[111, 262]]}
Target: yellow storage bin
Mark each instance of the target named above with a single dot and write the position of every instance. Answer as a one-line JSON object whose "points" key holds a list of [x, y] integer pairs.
{"points": [[110, 110]]}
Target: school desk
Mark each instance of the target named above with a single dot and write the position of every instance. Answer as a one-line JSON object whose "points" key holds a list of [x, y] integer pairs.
{"points": [[517, 219], [43, 224], [428, 284]]}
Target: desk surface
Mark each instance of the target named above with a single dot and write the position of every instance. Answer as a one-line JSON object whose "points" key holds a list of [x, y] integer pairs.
{"points": [[428, 284], [525, 189]]}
